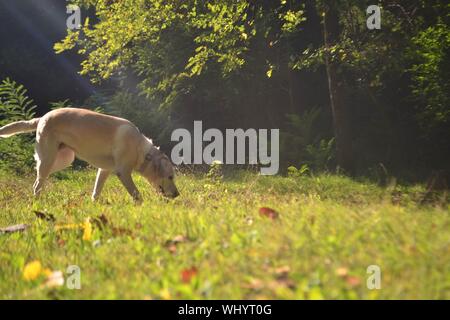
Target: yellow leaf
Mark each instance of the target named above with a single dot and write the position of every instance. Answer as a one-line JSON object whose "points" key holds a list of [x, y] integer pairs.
{"points": [[47, 272], [32, 270], [315, 294], [87, 234], [165, 294], [341, 272]]}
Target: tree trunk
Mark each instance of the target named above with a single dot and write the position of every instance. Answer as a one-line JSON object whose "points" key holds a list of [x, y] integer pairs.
{"points": [[344, 153]]}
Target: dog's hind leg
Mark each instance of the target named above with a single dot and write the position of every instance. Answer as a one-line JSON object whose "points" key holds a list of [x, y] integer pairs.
{"points": [[45, 158], [102, 175]]}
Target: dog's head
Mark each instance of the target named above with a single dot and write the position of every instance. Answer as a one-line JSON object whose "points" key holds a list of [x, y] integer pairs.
{"points": [[158, 170]]}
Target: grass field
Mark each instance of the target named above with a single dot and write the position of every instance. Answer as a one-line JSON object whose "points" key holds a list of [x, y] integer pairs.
{"points": [[212, 242]]}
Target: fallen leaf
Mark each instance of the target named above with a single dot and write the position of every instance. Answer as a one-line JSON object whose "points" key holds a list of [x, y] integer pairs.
{"points": [[254, 284], [32, 270], [54, 279], [14, 228], [281, 283], [171, 244], [69, 226], [87, 230], [45, 216], [179, 238], [165, 294], [269, 213], [353, 281], [61, 242], [172, 248], [188, 274], [46, 272], [88, 227], [282, 272], [341, 272], [176, 240], [315, 294]]}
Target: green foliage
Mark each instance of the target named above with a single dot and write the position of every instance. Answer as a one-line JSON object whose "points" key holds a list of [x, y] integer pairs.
{"points": [[241, 63], [215, 173], [295, 173], [397, 75], [169, 42], [321, 154], [302, 142], [431, 77], [16, 153], [14, 102], [60, 104]]}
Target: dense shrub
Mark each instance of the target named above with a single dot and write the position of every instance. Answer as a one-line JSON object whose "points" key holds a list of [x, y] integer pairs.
{"points": [[16, 152]]}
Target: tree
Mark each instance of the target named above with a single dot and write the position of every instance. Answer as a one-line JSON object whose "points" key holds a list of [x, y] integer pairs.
{"points": [[339, 107], [241, 63]]}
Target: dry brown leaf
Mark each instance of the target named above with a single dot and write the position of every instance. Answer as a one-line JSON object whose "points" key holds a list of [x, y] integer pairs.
{"points": [[353, 281], [281, 283], [14, 228], [254, 284], [282, 271], [188, 274], [45, 216], [171, 244], [269, 213]]}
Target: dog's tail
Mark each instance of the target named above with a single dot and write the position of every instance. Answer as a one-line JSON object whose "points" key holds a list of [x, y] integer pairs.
{"points": [[19, 127]]}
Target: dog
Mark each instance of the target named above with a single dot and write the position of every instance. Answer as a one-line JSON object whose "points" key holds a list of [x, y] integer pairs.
{"points": [[111, 144]]}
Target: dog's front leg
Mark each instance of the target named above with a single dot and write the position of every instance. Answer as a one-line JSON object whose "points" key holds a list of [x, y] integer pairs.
{"points": [[127, 181], [102, 175]]}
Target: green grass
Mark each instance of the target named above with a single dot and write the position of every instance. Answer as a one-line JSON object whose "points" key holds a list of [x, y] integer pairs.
{"points": [[327, 225]]}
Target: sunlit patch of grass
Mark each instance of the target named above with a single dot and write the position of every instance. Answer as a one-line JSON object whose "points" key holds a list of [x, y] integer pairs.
{"points": [[211, 242]]}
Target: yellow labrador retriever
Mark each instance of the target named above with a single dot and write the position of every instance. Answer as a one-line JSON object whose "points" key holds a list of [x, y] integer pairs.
{"points": [[112, 144]]}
